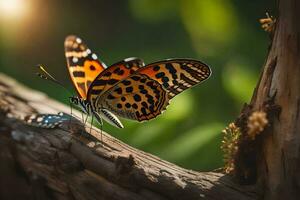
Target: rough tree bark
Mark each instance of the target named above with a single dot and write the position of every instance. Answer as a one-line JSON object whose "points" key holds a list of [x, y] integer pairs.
{"points": [[279, 166], [273, 159], [65, 163]]}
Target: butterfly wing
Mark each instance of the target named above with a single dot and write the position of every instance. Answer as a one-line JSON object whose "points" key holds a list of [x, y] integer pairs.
{"points": [[146, 93], [177, 75], [82, 63], [137, 97], [112, 75]]}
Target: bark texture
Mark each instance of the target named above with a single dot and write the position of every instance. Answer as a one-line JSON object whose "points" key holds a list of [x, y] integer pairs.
{"points": [[68, 163], [280, 166], [273, 159]]}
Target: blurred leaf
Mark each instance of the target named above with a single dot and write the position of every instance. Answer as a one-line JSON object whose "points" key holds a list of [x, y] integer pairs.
{"points": [[153, 10], [147, 132], [180, 107], [206, 158], [191, 141], [211, 23], [239, 80]]}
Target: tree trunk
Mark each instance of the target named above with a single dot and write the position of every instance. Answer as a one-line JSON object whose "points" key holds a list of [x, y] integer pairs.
{"points": [[273, 159]]}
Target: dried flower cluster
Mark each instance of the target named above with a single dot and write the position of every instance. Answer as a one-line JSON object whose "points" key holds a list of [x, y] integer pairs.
{"points": [[257, 121], [230, 146], [268, 23]]}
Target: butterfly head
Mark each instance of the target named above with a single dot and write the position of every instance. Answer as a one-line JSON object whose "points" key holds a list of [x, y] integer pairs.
{"points": [[74, 100], [82, 104]]}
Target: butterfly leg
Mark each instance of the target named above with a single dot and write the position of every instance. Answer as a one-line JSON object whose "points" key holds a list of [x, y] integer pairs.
{"points": [[87, 116], [100, 121]]}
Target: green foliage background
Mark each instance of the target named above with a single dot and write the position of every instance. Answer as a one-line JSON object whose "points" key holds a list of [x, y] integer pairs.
{"points": [[223, 33]]}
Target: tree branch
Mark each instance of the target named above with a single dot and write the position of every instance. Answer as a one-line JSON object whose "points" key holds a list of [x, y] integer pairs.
{"points": [[66, 163]]}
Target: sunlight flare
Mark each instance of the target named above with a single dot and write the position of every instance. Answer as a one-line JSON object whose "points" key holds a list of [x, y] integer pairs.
{"points": [[13, 9]]}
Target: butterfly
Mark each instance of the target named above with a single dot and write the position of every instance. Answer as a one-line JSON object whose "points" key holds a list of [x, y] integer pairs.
{"points": [[46, 120], [128, 89]]}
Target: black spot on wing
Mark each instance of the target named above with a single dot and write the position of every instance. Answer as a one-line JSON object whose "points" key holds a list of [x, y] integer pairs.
{"points": [[126, 82], [160, 75], [117, 70], [92, 67], [121, 72], [129, 89], [143, 91], [136, 78], [156, 68], [150, 100], [118, 90], [127, 105], [135, 106], [107, 74], [137, 97], [78, 74], [143, 80]]}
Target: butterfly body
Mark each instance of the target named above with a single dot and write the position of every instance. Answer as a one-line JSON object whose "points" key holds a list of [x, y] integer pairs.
{"points": [[82, 104], [99, 114], [129, 89]]}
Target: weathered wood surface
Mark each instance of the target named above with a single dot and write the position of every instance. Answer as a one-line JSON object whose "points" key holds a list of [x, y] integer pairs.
{"points": [[64, 163], [273, 159], [279, 165]]}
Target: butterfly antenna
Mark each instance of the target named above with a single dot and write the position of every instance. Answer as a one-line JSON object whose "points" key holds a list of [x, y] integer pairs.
{"points": [[47, 76]]}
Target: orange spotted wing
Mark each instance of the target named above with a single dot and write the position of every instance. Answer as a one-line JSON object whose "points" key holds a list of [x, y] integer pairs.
{"points": [[177, 75], [82, 63], [146, 93], [112, 75]]}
